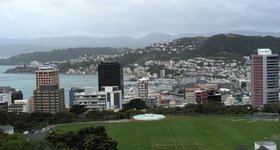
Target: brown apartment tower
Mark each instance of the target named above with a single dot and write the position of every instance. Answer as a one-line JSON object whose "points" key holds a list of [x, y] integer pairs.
{"points": [[264, 78], [48, 97]]}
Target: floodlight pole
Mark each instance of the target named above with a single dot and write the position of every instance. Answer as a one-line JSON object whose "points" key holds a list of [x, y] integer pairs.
{"points": [[109, 121], [119, 121]]}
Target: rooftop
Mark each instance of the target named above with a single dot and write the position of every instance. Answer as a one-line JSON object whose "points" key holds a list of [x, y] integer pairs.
{"points": [[264, 51], [6, 127], [265, 143], [47, 67]]}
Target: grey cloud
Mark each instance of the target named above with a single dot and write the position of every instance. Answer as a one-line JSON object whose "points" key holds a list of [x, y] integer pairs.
{"points": [[39, 18]]}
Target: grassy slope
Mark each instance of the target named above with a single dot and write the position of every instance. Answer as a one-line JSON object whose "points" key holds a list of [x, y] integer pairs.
{"points": [[187, 133]]}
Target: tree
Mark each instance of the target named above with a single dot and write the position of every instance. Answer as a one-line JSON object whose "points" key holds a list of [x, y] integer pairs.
{"points": [[63, 117], [78, 109], [40, 117], [18, 142], [86, 138], [96, 138], [61, 139], [271, 108], [3, 117], [137, 104]]}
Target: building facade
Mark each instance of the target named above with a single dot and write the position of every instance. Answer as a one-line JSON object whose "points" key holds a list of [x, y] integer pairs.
{"points": [[190, 95], [109, 98], [48, 97], [7, 129], [113, 97], [72, 93], [110, 74], [16, 95], [264, 78], [90, 99], [265, 145], [5, 97], [196, 95], [143, 89], [20, 106]]}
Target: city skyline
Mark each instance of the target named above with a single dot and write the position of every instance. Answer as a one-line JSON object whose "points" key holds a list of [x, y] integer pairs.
{"points": [[135, 18]]}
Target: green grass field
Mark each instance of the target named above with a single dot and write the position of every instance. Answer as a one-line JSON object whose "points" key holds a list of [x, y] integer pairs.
{"points": [[188, 133]]}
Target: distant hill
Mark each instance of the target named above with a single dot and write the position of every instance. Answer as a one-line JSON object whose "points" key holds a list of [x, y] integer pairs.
{"points": [[237, 45], [60, 55], [177, 50], [12, 47], [223, 45], [15, 49], [254, 33]]}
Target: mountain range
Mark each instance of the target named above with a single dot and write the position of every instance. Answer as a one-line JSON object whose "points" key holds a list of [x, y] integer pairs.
{"points": [[14, 46], [11, 47], [225, 46]]}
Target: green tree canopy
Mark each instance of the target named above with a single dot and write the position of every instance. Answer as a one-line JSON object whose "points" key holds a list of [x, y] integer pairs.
{"points": [[86, 138], [137, 104]]}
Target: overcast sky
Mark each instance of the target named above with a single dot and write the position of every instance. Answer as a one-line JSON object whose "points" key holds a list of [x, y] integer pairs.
{"points": [[136, 18]]}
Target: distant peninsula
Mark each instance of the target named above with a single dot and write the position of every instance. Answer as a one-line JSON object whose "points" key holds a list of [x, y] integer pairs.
{"points": [[21, 70]]}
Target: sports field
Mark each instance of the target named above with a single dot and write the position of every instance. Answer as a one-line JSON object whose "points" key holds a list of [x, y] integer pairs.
{"points": [[189, 133]]}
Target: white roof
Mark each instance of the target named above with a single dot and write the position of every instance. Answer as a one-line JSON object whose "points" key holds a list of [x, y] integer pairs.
{"points": [[144, 79], [264, 51], [265, 143], [47, 66], [224, 89]]}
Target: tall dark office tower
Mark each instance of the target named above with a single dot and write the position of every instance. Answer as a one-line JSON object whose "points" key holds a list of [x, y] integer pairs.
{"points": [[110, 74], [16, 95]]}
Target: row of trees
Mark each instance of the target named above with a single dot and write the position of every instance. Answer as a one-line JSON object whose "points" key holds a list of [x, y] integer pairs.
{"points": [[206, 108]]}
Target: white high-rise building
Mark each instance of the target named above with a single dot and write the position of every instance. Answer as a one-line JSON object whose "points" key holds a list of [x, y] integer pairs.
{"points": [[264, 78], [113, 97], [143, 88]]}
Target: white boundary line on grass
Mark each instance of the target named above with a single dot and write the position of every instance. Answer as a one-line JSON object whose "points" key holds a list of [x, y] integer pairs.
{"points": [[179, 139], [174, 141]]}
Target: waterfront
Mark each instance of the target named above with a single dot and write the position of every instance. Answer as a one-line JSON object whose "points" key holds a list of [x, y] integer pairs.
{"points": [[26, 82]]}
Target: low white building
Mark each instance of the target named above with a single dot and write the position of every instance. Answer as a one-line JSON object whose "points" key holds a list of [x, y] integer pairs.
{"points": [[246, 100], [108, 98], [7, 129], [230, 101], [90, 99], [21, 106], [269, 145]]}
